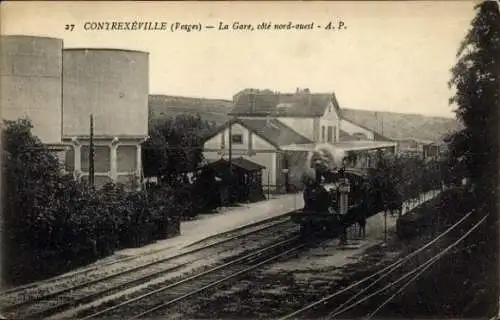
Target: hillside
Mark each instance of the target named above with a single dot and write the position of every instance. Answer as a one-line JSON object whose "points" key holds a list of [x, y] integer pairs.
{"points": [[397, 126], [209, 109], [402, 126]]}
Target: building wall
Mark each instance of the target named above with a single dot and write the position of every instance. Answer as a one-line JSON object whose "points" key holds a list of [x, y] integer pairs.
{"points": [[280, 175], [118, 161], [113, 85], [267, 159], [253, 148], [297, 165], [329, 118], [31, 83], [352, 128], [304, 126], [250, 141]]}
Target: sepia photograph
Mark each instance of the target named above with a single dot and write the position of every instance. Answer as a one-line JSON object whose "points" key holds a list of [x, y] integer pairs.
{"points": [[249, 159]]}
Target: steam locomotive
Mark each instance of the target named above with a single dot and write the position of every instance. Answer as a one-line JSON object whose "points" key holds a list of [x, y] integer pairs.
{"points": [[322, 214]]}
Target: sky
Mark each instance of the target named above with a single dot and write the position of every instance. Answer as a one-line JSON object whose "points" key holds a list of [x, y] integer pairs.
{"points": [[392, 56]]}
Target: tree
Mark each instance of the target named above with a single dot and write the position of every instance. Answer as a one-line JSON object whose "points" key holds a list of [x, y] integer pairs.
{"points": [[247, 91], [476, 79], [175, 147], [31, 173]]}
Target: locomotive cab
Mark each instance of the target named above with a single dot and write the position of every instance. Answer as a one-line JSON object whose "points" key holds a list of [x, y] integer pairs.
{"points": [[321, 213]]}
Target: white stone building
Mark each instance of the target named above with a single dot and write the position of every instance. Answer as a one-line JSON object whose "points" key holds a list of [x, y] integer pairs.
{"points": [[282, 132]]}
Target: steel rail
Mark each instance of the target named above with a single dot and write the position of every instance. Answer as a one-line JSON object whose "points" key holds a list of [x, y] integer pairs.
{"points": [[391, 268], [162, 289], [419, 271], [215, 283], [11, 308], [397, 263], [87, 269]]}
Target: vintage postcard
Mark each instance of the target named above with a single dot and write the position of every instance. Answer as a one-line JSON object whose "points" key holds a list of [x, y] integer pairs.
{"points": [[249, 160]]}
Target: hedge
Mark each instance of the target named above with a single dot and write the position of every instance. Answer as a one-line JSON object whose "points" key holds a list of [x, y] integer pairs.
{"points": [[53, 223]]}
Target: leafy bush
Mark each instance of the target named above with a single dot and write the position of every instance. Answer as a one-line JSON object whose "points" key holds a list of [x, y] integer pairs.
{"points": [[53, 223], [409, 176], [175, 147]]}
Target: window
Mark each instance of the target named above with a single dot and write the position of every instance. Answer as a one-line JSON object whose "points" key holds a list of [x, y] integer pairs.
{"points": [[334, 134], [330, 133], [102, 160], [237, 138], [69, 163], [126, 158], [322, 133]]}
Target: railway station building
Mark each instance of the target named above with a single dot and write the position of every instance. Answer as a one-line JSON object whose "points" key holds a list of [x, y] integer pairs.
{"points": [[285, 133]]}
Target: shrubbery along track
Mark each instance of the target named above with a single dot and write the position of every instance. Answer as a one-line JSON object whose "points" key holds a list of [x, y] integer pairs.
{"points": [[68, 292]]}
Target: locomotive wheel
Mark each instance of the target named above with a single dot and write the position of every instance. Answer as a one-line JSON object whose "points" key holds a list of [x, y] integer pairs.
{"points": [[332, 230], [307, 229]]}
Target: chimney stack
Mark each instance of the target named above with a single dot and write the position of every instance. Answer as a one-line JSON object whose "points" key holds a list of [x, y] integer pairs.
{"points": [[252, 101]]}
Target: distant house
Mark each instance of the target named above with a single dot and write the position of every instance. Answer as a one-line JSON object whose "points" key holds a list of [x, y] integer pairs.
{"points": [[282, 132]]}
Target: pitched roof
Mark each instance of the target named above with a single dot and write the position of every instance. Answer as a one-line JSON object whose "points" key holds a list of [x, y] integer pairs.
{"points": [[271, 130], [400, 126], [274, 131], [303, 104], [363, 144], [238, 162], [247, 164], [344, 136]]}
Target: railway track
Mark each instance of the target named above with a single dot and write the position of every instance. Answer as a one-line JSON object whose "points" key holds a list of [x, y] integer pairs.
{"points": [[44, 285], [385, 284], [168, 296], [66, 294]]}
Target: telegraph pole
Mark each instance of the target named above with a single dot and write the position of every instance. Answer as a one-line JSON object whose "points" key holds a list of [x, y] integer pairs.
{"points": [[382, 124], [286, 172], [230, 148], [91, 152], [385, 226]]}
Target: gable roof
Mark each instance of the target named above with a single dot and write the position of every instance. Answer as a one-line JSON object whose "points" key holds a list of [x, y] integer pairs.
{"points": [[273, 131], [302, 104], [344, 136], [400, 126], [240, 162], [376, 136]]}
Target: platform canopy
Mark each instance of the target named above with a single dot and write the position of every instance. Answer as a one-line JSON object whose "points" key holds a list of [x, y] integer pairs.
{"points": [[355, 145]]}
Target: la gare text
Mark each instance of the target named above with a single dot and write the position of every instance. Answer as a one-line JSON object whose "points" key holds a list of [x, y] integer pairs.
{"points": [[220, 26]]}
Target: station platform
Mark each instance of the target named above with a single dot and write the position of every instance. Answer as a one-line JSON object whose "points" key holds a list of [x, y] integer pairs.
{"points": [[375, 225], [212, 224], [244, 215]]}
